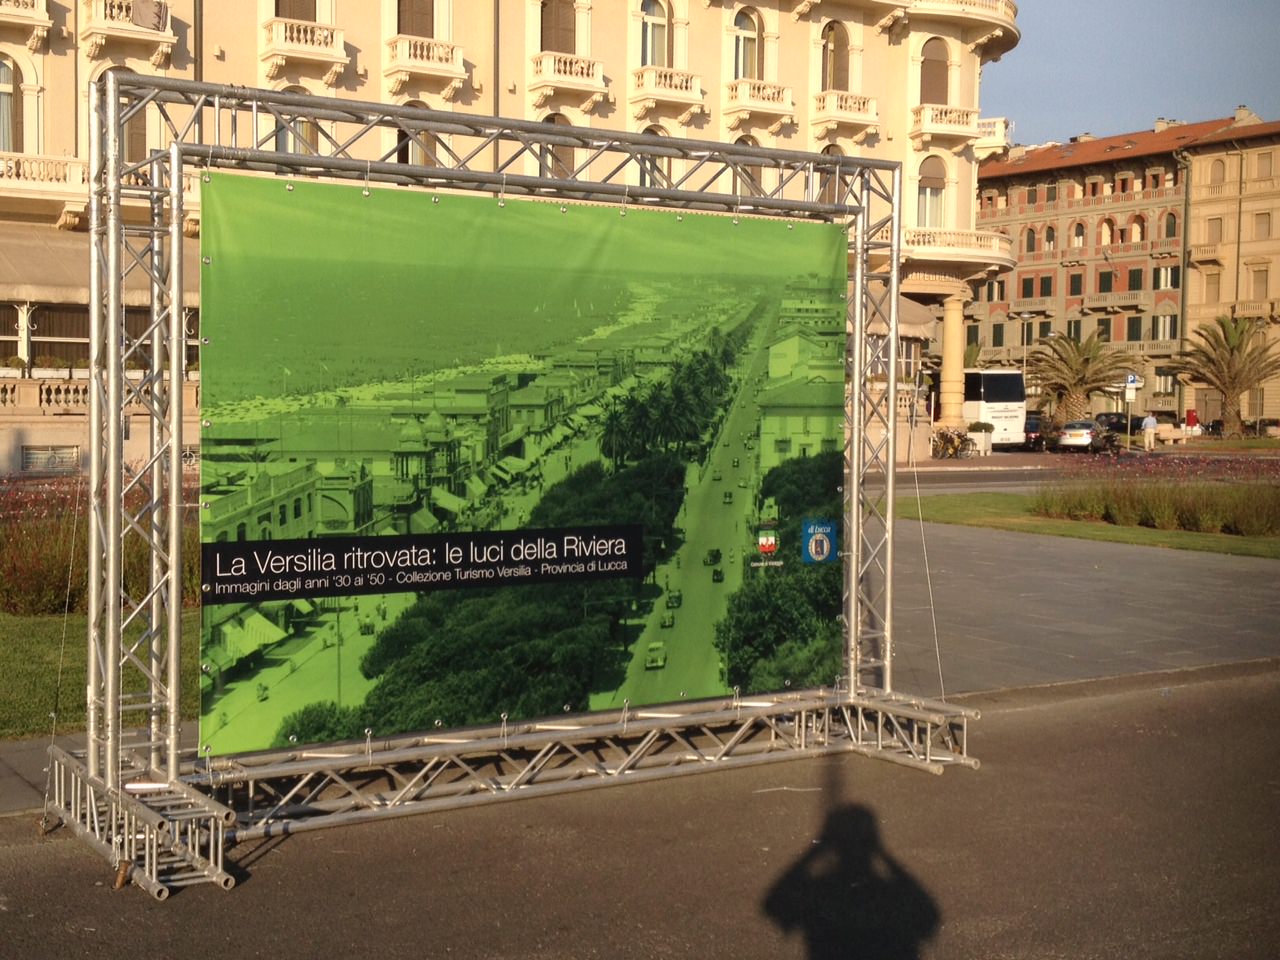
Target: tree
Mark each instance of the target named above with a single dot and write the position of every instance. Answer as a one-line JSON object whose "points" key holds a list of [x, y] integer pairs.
{"points": [[1071, 372], [1233, 357]]}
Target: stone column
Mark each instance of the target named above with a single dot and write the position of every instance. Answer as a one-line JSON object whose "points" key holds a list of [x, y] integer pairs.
{"points": [[951, 392]]}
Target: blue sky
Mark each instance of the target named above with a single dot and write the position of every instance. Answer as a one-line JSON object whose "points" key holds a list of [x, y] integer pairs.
{"points": [[1113, 66]]}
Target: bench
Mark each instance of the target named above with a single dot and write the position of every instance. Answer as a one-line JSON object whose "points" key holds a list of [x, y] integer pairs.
{"points": [[1168, 433]]}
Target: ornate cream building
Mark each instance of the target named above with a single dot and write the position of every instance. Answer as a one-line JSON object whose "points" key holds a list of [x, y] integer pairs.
{"points": [[869, 78]]}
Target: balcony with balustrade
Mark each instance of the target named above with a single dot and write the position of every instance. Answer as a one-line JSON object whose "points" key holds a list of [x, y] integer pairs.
{"points": [[28, 19], [993, 138], [303, 44], [1140, 300], [424, 60], [553, 74], [32, 185], [655, 87], [975, 249], [950, 127], [852, 113], [991, 26], [107, 26], [758, 102]]}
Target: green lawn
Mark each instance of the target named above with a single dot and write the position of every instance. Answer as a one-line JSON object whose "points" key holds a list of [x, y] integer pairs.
{"points": [[1012, 511], [42, 669]]}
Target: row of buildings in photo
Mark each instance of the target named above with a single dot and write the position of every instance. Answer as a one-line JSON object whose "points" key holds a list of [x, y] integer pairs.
{"points": [[1140, 236]]}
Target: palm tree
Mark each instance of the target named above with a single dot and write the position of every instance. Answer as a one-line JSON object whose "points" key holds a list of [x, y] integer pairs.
{"points": [[1233, 357], [1071, 372]]}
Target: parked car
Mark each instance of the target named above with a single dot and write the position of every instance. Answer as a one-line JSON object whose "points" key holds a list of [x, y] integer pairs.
{"points": [[717, 575], [668, 620], [655, 655], [1087, 435], [728, 496], [712, 558], [1034, 438], [674, 599], [1121, 423]]}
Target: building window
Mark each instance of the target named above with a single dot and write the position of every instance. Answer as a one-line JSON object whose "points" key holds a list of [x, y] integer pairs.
{"points": [[1045, 328], [284, 514], [1073, 330], [1046, 285], [782, 445], [1138, 229], [1107, 232], [1028, 289], [1135, 278], [829, 190], [409, 149], [1166, 278], [1104, 329], [1075, 285], [997, 334], [1218, 172], [295, 134], [557, 161], [932, 193], [835, 57], [1093, 187], [1050, 238], [748, 179], [297, 508], [1164, 327], [296, 9], [995, 291], [747, 49], [1260, 278], [1170, 226], [1213, 288], [11, 106], [1104, 281], [971, 335], [1164, 381], [558, 28], [1264, 166], [1051, 193], [1124, 183], [1134, 328], [1262, 225], [655, 171], [933, 71], [654, 49], [1032, 193], [1077, 235], [1029, 244], [416, 18], [1213, 230]]}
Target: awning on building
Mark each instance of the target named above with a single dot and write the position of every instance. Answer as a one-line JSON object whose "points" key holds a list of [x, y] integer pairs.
{"points": [[445, 500], [41, 264], [476, 488], [915, 320], [248, 634]]}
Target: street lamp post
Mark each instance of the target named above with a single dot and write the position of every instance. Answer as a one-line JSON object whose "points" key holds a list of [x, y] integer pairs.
{"points": [[1026, 319]]}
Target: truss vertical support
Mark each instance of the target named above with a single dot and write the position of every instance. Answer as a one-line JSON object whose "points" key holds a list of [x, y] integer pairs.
{"points": [[872, 376], [177, 365]]}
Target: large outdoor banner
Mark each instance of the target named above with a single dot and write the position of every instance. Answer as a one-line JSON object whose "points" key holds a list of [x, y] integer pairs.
{"points": [[467, 459]]}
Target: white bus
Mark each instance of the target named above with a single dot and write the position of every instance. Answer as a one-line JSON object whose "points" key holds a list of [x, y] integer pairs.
{"points": [[997, 396]]}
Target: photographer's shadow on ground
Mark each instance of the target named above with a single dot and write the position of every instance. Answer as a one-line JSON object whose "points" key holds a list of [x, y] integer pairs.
{"points": [[849, 898]]}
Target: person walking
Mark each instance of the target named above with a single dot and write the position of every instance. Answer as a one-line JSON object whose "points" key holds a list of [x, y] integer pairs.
{"points": [[1149, 425]]}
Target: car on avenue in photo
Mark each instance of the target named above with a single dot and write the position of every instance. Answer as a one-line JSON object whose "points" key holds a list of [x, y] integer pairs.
{"points": [[717, 575], [728, 496], [674, 599], [668, 620], [655, 655], [1087, 435], [717, 475], [712, 558]]}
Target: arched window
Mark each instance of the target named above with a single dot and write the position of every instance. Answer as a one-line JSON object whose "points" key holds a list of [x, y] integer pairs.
{"points": [[835, 57], [748, 180], [558, 26], [747, 50], [655, 171], [416, 18], [1106, 233], [1077, 235], [557, 161], [1218, 171], [932, 193], [1138, 229], [654, 34], [1170, 225], [408, 149], [933, 72], [10, 106], [1050, 238], [1029, 244], [829, 190], [295, 134]]}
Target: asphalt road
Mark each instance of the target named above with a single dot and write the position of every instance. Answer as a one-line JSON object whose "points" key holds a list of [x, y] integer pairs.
{"points": [[1125, 819]]}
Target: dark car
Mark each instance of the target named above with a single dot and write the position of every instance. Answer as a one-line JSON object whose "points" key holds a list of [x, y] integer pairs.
{"points": [[717, 575], [1033, 436], [712, 558], [1121, 423]]}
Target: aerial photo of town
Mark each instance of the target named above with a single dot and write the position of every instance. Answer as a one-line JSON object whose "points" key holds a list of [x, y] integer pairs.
{"points": [[405, 364]]}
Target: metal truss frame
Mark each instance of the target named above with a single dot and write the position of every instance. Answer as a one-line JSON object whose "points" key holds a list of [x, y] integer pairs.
{"points": [[163, 815]]}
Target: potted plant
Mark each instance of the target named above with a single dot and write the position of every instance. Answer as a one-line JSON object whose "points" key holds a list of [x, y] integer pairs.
{"points": [[980, 432]]}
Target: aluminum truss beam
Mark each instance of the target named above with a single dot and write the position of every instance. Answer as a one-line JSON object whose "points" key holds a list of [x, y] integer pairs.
{"points": [[164, 817]]}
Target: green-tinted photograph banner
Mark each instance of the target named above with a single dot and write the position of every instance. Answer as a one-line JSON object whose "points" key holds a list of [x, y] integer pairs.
{"points": [[464, 458]]}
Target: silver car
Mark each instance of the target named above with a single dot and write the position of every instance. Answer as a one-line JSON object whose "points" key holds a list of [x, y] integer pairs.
{"points": [[1085, 435]]}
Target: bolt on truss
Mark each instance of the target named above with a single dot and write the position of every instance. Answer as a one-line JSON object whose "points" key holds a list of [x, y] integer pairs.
{"points": [[164, 815]]}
